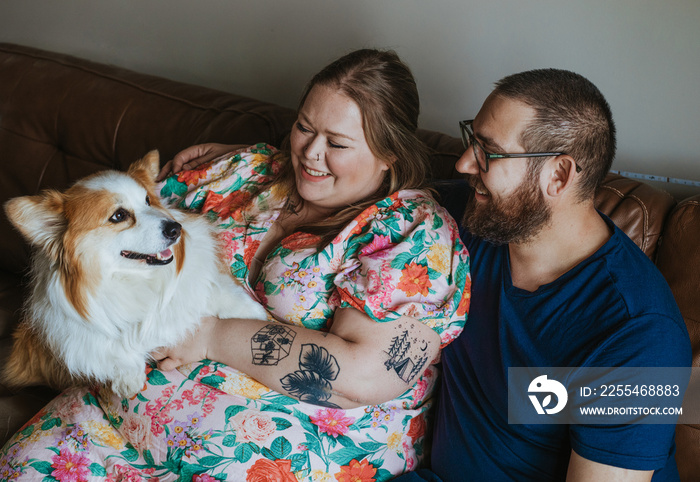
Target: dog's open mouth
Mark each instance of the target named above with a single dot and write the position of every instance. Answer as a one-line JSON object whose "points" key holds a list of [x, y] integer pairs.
{"points": [[164, 257]]}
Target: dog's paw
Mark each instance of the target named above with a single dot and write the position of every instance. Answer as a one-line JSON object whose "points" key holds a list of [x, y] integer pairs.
{"points": [[253, 309], [245, 308], [232, 301], [128, 385]]}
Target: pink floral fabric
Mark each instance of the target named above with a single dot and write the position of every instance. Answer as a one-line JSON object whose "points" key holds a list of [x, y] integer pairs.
{"points": [[207, 421]]}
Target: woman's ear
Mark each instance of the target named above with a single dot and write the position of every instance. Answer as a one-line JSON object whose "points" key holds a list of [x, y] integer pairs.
{"points": [[388, 163], [561, 172]]}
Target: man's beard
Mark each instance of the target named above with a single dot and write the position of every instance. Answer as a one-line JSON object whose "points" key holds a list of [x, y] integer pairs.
{"points": [[515, 219]]}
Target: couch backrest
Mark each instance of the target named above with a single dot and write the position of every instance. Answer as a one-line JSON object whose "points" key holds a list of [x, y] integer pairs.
{"points": [[679, 262]]}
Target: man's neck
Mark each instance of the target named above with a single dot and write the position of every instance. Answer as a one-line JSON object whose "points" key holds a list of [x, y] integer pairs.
{"points": [[570, 238]]}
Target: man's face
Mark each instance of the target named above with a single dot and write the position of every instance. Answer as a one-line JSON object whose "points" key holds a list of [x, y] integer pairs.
{"points": [[508, 205]]}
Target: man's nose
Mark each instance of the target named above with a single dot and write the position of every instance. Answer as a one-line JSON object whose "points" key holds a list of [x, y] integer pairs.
{"points": [[467, 163]]}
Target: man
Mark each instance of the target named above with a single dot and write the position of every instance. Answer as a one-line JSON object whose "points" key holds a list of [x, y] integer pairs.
{"points": [[554, 284]]}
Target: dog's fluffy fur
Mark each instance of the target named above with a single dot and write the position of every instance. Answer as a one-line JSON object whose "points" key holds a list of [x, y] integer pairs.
{"points": [[115, 275]]}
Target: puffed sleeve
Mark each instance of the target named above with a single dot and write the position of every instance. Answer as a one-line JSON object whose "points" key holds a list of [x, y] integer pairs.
{"points": [[226, 181], [403, 257]]}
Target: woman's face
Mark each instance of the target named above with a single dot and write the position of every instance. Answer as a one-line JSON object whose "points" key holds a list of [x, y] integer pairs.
{"points": [[333, 164]]}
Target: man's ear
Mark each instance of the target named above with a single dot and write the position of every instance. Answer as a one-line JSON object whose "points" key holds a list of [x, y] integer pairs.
{"points": [[560, 172]]}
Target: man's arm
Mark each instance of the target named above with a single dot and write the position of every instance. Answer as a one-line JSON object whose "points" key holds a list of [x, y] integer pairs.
{"points": [[584, 470]]}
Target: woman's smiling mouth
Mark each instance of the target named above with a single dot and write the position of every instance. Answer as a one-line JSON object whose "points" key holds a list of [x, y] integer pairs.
{"points": [[314, 173]]}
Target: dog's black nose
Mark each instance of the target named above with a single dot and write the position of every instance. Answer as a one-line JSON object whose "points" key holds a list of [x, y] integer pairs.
{"points": [[171, 230]]}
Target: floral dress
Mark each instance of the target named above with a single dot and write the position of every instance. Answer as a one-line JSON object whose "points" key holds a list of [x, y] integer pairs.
{"points": [[207, 421]]}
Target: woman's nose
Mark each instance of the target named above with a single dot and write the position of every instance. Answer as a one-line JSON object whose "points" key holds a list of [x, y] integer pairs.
{"points": [[314, 149]]}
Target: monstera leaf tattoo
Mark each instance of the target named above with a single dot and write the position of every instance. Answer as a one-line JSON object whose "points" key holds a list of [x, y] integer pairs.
{"points": [[312, 382]]}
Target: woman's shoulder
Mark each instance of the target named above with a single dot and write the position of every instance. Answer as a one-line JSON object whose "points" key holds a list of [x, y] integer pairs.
{"points": [[403, 256]]}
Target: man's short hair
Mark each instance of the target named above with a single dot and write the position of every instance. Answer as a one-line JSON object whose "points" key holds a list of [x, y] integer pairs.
{"points": [[571, 116]]}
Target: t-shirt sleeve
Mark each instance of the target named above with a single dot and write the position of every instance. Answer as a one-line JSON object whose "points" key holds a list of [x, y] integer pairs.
{"points": [[404, 257], [648, 341], [222, 183]]}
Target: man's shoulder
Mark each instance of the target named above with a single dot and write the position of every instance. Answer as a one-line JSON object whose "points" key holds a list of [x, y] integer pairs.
{"points": [[635, 305], [636, 279]]}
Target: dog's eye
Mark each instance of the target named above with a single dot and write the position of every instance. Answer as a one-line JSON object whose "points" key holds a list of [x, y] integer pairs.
{"points": [[119, 215], [148, 200]]}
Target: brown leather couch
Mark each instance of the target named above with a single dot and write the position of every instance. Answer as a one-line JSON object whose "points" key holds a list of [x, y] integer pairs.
{"points": [[62, 118]]}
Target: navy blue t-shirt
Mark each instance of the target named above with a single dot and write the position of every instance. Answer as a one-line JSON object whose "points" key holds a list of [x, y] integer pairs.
{"points": [[614, 309]]}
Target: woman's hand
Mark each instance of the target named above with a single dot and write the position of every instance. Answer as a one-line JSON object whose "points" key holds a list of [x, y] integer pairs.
{"points": [[194, 156], [192, 349]]}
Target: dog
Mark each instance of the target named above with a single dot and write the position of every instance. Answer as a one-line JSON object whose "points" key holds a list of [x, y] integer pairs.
{"points": [[114, 276]]}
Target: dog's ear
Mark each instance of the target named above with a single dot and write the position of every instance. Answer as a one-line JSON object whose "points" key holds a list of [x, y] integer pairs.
{"points": [[147, 167], [39, 218]]}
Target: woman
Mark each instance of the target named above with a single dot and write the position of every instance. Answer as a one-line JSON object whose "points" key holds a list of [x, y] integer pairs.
{"points": [[363, 275]]}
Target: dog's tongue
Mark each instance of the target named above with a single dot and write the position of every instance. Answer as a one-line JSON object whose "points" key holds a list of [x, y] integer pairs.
{"points": [[164, 254]]}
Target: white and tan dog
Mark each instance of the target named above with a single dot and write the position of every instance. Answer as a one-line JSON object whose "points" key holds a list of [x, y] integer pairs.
{"points": [[115, 275]]}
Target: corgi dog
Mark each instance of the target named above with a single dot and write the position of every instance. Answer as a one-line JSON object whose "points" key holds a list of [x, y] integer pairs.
{"points": [[114, 275]]}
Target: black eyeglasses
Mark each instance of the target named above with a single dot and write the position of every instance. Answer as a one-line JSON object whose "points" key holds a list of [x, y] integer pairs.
{"points": [[483, 157]]}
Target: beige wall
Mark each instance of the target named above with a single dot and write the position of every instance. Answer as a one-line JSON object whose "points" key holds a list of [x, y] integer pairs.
{"points": [[643, 54]]}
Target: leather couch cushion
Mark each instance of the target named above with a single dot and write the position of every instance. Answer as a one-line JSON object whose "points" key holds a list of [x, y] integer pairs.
{"points": [[637, 208], [16, 406], [678, 260]]}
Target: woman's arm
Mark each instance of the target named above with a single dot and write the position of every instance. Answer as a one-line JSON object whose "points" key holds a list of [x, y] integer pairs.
{"points": [[359, 362]]}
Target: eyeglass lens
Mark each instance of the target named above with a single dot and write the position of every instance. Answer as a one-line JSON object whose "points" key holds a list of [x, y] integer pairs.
{"points": [[470, 141], [479, 154]]}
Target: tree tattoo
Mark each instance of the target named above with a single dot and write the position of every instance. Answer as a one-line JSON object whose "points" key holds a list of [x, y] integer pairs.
{"points": [[271, 344], [312, 382], [407, 356]]}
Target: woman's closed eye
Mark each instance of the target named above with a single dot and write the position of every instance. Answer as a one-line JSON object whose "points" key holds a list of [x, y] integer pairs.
{"points": [[305, 130], [302, 128], [336, 146]]}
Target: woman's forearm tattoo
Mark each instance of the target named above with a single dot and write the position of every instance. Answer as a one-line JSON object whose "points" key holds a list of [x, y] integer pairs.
{"points": [[312, 382], [271, 344]]}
